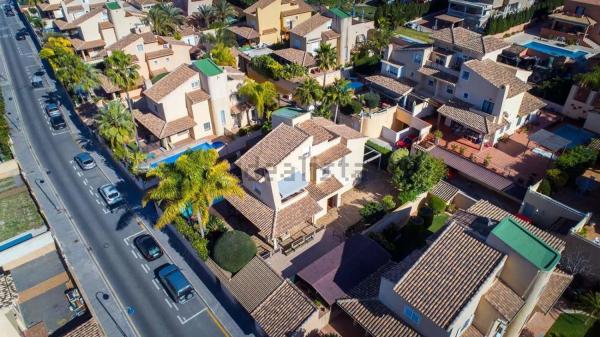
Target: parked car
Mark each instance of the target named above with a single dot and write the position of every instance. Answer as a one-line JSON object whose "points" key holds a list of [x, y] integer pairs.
{"points": [[149, 248], [110, 194], [178, 287], [52, 109], [58, 122], [9, 12], [20, 36], [37, 81], [85, 161], [406, 142]]}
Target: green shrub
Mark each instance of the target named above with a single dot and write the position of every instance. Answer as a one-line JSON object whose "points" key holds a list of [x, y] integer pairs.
{"points": [[385, 152], [215, 224], [557, 178], [395, 158], [372, 212], [371, 100], [576, 160], [388, 203], [407, 196], [266, 128], [426, 214], [200, 245], [544, 187], [292, 70], [242, 132], [233, 250], [5, 151], [351, 109], [266, 65], [437, 204]]}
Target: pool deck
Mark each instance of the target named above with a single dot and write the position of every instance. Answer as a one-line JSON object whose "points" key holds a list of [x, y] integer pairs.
{"points": [[182, 147], [533, 35]]}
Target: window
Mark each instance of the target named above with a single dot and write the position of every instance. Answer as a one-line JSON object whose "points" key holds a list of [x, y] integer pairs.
{"points": [[487, 106], [466, 95], [430, 83], [412, 314], [195, 83], [449, 89], [222, 116], [465, 75], [207, 126], [440, 60], [140, 47], [167, 59], [418, 58], [326, 171], [155, 61]]}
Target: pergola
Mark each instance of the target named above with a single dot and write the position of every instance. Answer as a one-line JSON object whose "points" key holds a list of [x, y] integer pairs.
{"points": [[460, 112], [549, 140]]}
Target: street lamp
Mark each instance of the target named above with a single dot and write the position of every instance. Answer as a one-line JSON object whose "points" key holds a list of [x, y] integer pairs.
{"points": [[101, 297]]}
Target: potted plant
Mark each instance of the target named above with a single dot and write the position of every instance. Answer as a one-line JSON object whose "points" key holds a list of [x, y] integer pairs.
{"points": [[462, 150], [437, 135], [453, 147], [487, 160]]}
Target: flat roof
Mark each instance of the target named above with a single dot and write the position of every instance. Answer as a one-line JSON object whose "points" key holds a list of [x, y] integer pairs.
{"points": [[526, 244], [208, 67], [113, 5], [51, 307], [288, 112], [339, 13], [37, 271]]}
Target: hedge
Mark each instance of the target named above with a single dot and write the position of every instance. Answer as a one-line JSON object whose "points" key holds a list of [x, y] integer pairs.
{"points": [[501, 24], [5, 151], [385, 152], [437, 204], [234, 250]]}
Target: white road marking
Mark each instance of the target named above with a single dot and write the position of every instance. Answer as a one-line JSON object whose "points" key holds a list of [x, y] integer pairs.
{"points": [[84, 181], [91, 193], [185, 320], [130, 236], [155, 282], [175, 306], [98, 201], [133, 253], [168, 303], [165, 292], [145, 267], [79, 174], [105, 211]]}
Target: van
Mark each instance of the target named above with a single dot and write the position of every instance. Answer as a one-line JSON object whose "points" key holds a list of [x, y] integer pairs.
{"points": [[178, 287]]}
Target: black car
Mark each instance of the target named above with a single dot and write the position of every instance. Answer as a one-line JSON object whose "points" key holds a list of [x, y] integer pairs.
{"points": [[58, 122], [146, 244], [20, 36], [9, 12]]}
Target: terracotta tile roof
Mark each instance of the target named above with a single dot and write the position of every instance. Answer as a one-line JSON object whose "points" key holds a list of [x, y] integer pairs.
{"points": [[75, 23], [85, 45], [583, 19], [329, 35], [61, 24], [172, 81], [397, 86], [486, 209], [319, 133], [448, 18], [284, 312], [498, 75], [124, 42], [197, 96], [46, 7], [159, 127], [259, 4], [254, 283], [444, 190], [310, 24], [259, 214], [430, 71], [472, 332], [324, 188], [245, 32], [556, 286], [297, 56], [295, 216], [338, 129], [504, 300], [530, 104], [89, 328], [171, 41], [467, 39], [433, 290], [462, 113], [330, 155], [269, 31], [105, 25], [107, 85], [303, 7], [271, 150], [159, 53], [376, 318], [75, 8]]}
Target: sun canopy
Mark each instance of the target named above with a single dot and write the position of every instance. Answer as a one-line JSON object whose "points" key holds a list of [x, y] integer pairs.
{"points": [[549, 140]]}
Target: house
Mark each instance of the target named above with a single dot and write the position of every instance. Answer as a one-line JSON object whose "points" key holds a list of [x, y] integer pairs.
{"points": [[189, 7], [477, 13], [278, 307], [485, 274], [65, 10], [336, 28], [143, 5], [584, 104], [578, 22], [100, 27], [295, 174], [268, 20], [190, 103]]}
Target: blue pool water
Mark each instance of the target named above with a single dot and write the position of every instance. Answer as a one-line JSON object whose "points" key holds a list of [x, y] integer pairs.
{"points": [[355, 85], [203, 146], [576, 135], [555, 51]]}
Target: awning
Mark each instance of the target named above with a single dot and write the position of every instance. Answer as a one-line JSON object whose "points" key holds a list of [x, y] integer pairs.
{"points": [[549, 140], [291, 184]]}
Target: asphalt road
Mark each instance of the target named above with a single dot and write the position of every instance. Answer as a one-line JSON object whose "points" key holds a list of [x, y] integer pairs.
{"points": [[109, 234]]}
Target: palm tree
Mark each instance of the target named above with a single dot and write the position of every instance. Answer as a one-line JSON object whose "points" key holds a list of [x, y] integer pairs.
{"points": [[590, 80], [590, 303], [221, 35], [165, 18], [115, 124], [308, 93], [193, 181], [261, 95], [338, 94], [122, 72], [326, 58], [202, 17], [223, 10]]}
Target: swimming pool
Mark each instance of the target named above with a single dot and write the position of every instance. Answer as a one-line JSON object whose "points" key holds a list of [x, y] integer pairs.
{"points": [[555, 51], [203, 146], [576, 135], [355, 85]]}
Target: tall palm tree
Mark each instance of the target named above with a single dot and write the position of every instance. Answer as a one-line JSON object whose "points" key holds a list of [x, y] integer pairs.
{"points": [[121, 71], [193, 181], [203, 16], [590, 303], [220, 35], [308, 92], [261, 95], [115, 124], [223, 10], [165, 18], [338, 94], [326, 58]]}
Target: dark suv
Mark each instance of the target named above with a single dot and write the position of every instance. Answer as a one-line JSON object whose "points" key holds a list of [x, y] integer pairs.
{"points": [[148, 247], [178, 287]]}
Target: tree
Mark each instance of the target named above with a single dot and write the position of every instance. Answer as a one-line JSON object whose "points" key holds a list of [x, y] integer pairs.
{"points": [[75, 74], [308, 92], [55, 49], [590, 303], [221, 35], [395, 158], [326, 58], [261, 95], [576, 160], [115, 124], [338, 94], [223, 10], [222, 55], [123, 72], [165, 18], [233, 250], [416, 174], [193, 181], [203, 16], [590, 80]]}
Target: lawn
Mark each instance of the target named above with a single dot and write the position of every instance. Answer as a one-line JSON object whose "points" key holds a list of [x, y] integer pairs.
{"points": [[413, 34], [573, 325], [18, 213], [438, 222]]}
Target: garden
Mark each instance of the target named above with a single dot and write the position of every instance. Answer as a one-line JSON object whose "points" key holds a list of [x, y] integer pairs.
{"points": [[18, 211], [574, 325], [567, 168]]}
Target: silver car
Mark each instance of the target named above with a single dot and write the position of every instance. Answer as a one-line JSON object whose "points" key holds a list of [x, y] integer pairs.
{"points": [[85, 161], [110, 194], [52, 109]]}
